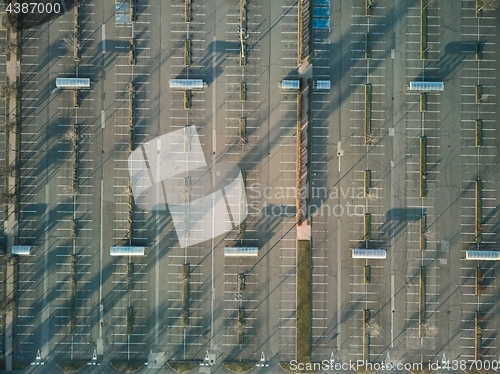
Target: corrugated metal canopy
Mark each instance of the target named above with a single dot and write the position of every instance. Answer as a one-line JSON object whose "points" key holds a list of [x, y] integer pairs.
{"points": [[369, 253], [426, 86], [290, 85], [241, 251], [186, 84], [323, 85], [482, 255], [127, 251], [73, 82], [21, 249]]}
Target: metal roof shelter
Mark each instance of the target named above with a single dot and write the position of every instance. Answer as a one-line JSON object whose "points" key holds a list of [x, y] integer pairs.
{"points": [[322, 85], [290, 85], [72, 83], [21, 250], [426, 86], [127, 251], [482, 255], [369, 253], [186, 84], [241, 251]]}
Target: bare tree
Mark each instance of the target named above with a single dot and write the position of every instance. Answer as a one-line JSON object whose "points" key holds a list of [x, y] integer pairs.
{"points": [[430, 330], [7, 198], [10, 21], [6, 90], [4, 22], [7, 171], [8, 47], [71, 43], [487, 4], [6, 126], [373, 328]]}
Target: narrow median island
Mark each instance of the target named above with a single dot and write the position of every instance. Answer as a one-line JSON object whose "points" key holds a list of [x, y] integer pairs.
{"points": [[421, 304], [132, 11], [128, 320], [187, 52], [242, 135], [243, 31], [479, 280], [368, 46], [478, 352], [76, 101], [479, 54], [131, 53], [423, 102], [303, 328], [76, 33], [478, 214], [367, 227], [423, 28], [241, 325], [366, 337], [368, 109], [479, 125], [187, 11], [368, 7], [243, 92], [367, 182], [423, 168], [72, 296], [187, 99], [185, 295], [366, 275], [300, 44], [422, 231]]}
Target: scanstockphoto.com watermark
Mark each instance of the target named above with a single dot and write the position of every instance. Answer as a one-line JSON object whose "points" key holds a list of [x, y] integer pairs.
{"points": [[354, 366], [324, 202]]}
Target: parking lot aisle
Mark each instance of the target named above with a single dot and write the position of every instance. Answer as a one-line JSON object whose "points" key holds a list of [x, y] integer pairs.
{"points": [[116, 304], [32, 202], [321, 205], [240, 293], [27, 308], [289, 44], [287, 293], [476, 166], [190, 339], [173, 307], [321, 211], [137, 278], [61, 304], [181, 341]]}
